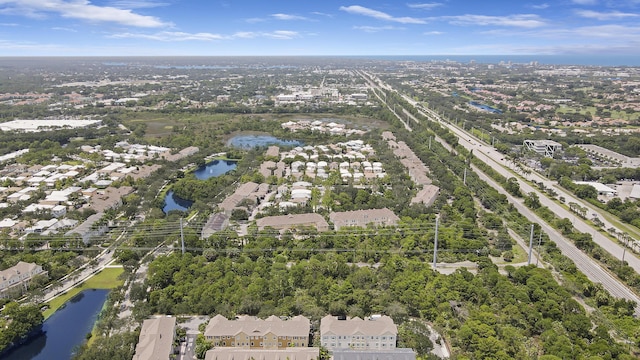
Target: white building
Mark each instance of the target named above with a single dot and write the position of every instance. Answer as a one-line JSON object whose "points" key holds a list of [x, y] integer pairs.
{"points": [[377, 332], [602, 189], [543, 147]]}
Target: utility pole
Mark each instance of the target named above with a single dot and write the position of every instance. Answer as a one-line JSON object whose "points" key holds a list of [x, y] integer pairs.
{"points": [[464, 177], [435, 245], [539, 242], [429, 142], [530, 245], [182, 235]]}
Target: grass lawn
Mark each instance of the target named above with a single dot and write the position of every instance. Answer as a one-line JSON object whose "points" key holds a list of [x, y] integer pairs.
{"points": [[519, 254], [106, 279]]}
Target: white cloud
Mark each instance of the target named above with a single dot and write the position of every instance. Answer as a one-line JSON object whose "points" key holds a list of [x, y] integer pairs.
{"points": [[64, 29], [81, 10], [585, 2], [282, 34], [424, 6], [540, 6], [278, 34], [322, 14], [586, 34], [608, 31], [170, 36], [519, 20], [288, 17], [613, 15], [361, 10], [374, 29], [137, 4], [25, 46], [433, 33]]}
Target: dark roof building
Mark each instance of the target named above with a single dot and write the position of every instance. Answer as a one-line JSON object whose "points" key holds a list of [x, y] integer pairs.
{"points": [[284, 222], [362, 218]]}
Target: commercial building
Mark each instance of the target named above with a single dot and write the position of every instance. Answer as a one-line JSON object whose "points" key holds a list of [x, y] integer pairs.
{"points": [[602, 189], [543, 147]]}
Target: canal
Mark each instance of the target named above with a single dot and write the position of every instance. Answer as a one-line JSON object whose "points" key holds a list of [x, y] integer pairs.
{"points": [[65, 330]]}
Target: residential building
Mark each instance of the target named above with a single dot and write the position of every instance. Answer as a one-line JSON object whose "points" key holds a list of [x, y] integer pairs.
{"points": [[249, 332], [17, 277], [284, 222], [90, 228], [156, 339], [362, 218], [244, 191], [217, 222], [111, 198], [427, 195], [300, 353], [377, 332], [353, 354]]}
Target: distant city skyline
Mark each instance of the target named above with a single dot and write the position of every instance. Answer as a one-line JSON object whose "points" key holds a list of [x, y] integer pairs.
{"points": [[272, 28]]}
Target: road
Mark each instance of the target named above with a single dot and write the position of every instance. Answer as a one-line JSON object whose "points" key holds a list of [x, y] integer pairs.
{"points": [[79, 276], [584, 263], [496, 160]]}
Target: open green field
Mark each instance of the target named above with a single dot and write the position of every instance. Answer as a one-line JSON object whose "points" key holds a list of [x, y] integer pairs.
{"points": [[106, 279], [592, 110], [160, 125]]}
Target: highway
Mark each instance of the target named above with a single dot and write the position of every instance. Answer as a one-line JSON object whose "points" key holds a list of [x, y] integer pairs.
{"points": [[495, 159], [583, 262]]}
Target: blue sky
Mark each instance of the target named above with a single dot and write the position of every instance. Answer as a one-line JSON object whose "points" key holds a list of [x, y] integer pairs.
{"points": [[328, 27]]}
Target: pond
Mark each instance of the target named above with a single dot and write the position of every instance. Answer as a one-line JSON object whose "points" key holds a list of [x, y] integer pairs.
{"points": [[214, 168], [174, 202], [209, 170], [252, 141], [485, 107], [64, 330]]}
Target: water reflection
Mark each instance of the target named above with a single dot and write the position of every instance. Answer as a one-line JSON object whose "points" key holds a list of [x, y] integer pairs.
{"points": [[64, 330]]}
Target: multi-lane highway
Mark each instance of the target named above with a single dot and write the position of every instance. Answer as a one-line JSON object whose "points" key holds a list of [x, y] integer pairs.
{"points": [[494, 159]]}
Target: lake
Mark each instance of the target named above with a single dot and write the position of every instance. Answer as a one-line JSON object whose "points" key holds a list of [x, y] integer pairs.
{"points": [[485, 107], [209, 170], [214, 168], [174, 202], [252, 141], [65, 329]]}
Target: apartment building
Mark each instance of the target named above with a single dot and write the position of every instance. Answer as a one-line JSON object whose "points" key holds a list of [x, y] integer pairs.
{"points": [[377, 332], [250, 332]]}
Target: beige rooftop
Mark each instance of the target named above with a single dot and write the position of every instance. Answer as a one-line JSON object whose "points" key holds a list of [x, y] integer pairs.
{"points": [[253, 326], [378, 325]]}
